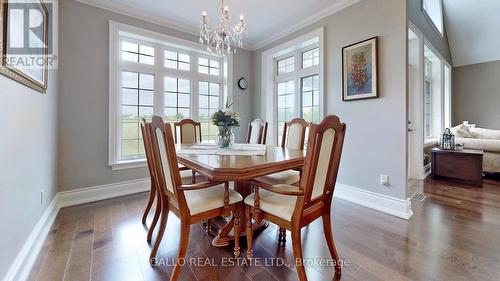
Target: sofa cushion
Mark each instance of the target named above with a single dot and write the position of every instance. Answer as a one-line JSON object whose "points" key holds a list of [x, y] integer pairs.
{"points": [[482, 133], [462, 131], [490, 145]]}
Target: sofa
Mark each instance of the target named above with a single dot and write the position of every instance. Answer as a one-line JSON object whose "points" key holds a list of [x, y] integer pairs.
{"points": [[480, 138]]}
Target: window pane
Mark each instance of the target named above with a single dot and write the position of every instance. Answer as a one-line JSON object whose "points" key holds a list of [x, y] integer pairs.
{"points": [[183, 113], [170, 55], [126, 56], [170, 99], [203, 103], [130, 130], [146, 60], [130, 113], [214, 64], [146, 97], [184, 58], [214, 89], [214, 71], [130, 147], [177, 94], [307, 84], [130, 79], [310, 98], [129, 96], [146, 112], [130, 47], [184, 86], [286, 65], [214, 102], [307, 99], [203, 69], [183, 100], [310, 58], [170, 84], [146, 50], [170, 64], [203, 88], [184, 66], [146, 81], [203, 61]]}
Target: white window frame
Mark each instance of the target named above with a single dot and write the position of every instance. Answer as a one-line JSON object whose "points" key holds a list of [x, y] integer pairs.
{"points": [[271, 78], [296, 75], [161, 42], [439, 29], [428, 79]]}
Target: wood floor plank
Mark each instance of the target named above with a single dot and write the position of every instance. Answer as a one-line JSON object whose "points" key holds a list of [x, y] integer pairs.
{"points": [[453, 235], [80, 256]]}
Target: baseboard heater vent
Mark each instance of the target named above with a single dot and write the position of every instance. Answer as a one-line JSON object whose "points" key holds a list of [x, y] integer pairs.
{"points": [[418, 197]]}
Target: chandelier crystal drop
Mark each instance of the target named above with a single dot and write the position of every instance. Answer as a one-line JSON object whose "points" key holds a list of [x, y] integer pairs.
{"points": [[223, 39]]}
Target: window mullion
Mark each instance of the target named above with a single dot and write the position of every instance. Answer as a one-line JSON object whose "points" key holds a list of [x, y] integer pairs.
{"points": [[158, 100]]}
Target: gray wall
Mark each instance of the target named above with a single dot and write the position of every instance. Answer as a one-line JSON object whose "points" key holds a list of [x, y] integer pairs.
{"points": [[476, 94], [28, 154], [418, 18], [83, 103], [376, 129]]}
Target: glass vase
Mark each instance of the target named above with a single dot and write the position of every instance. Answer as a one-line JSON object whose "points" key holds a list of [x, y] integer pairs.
{"points": [[225, 137]]}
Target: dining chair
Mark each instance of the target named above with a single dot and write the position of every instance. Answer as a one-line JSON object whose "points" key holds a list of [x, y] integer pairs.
{"points": [[154, 191], [191, 203], [294, 207], [293, 138], [257, 131], [187, 131]]}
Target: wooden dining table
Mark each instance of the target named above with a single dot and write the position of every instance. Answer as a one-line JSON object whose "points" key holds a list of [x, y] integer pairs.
{"points": [[239, 169]]}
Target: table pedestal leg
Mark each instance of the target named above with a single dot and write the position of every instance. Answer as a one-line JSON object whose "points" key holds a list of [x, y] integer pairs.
{"points": [[225, 235]]}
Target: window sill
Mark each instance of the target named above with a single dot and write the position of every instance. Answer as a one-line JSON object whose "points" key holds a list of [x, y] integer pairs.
{"points": [[430, 142], [131, 164]]}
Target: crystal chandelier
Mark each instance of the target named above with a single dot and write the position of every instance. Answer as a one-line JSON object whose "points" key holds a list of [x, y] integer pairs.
{"points": [[223, 39]]}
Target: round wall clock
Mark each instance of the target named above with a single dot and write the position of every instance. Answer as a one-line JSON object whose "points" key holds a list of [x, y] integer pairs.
{"points": [[243, 83]]}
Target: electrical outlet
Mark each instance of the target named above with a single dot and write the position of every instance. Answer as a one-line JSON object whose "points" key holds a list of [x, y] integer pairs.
{"points": [[384, 180], [41, 197]]}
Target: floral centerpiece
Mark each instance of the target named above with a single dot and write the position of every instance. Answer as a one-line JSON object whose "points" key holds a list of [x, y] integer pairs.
{"points": [[225, 119]]}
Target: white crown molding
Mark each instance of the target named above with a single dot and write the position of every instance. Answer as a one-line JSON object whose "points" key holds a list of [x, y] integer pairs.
{"points": [[338, 6], [134, 13], [386, 204], [131, 12]]}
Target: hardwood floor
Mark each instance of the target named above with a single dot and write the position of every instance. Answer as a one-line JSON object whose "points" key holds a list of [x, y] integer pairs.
{"points": [[453, 235]]}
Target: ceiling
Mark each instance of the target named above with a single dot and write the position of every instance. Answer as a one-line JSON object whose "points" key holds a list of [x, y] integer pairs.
{"points": [[267, 20], [473, 28]]}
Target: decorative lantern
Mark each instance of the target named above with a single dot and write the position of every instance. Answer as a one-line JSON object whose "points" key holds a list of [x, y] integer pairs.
{"points": [[447, 140]]}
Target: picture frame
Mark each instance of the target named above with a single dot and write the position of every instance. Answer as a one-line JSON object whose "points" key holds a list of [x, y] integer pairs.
{"points": [[360, 70], [26, 64]]}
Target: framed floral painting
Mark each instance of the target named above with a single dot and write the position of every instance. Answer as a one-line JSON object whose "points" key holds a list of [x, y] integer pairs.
{"points": [[359, 70]]}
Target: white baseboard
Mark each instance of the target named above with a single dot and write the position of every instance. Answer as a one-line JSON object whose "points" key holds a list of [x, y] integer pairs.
{"points": [[102, 192], [386, 204], [21, 267]]}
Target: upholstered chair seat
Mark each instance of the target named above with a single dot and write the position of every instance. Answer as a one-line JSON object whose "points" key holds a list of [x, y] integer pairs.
{"points": [[206, 199], [285, 177], [276, 204]]}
